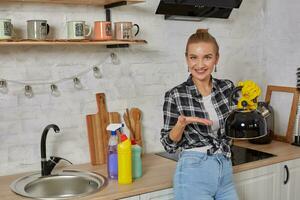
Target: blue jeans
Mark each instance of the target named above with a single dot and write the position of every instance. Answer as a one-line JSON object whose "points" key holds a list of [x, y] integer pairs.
{"points": [[200, 176]]}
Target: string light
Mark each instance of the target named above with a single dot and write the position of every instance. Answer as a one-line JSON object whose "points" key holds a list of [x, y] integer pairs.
{"points": [[115, 59], [54, 90], [28, 91], [77, 83], [3, 86], [97, 72]]}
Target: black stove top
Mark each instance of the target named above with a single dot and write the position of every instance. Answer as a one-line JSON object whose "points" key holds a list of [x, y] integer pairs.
{"points": [[239, 155]]}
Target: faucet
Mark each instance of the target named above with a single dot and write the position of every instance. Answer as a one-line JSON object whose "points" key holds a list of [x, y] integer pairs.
{"points": [[48, 165]]}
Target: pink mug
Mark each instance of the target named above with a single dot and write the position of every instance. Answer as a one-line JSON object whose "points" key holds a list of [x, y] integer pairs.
{"points": [[102, 30]]}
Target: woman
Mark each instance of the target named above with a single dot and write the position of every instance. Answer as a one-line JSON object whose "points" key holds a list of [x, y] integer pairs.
{"points": [[194, 116]]}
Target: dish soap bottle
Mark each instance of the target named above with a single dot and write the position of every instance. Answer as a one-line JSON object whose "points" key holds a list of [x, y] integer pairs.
{"points": [[124, 161], [136, 160], [112, 157]]}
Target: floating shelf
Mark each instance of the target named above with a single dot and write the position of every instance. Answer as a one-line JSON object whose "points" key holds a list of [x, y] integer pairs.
{"points": [[24, 42], [88, 2]]}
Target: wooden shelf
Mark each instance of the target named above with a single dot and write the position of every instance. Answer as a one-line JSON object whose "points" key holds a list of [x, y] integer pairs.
{"points": [[25, 42], [88, 2]]}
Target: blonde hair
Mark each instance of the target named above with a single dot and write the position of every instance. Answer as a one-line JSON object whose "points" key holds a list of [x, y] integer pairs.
{"points": [[202, 35]]}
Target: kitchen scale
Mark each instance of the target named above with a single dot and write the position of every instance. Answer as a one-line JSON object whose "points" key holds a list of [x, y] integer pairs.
{"points": [[239, 155]]}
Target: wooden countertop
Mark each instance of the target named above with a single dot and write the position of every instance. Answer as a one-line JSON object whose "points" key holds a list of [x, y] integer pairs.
{"points": [[158, 172]]}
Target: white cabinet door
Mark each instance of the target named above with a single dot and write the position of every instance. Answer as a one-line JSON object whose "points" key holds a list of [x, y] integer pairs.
{"points": [[290, 180], [258, 184], [166, 194]]}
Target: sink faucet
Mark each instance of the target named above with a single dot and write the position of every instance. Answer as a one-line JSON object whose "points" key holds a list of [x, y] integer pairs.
{"points": [[48, 165]]}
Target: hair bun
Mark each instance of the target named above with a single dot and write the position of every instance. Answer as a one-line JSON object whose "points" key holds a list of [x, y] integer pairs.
{"points": [[202, 31]]}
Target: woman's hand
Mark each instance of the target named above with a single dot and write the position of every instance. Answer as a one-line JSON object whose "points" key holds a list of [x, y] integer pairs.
{"points": [[183, 120], [177, 131]]}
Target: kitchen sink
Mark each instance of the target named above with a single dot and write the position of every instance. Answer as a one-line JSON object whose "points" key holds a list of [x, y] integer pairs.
{"points": [[66, 184]]}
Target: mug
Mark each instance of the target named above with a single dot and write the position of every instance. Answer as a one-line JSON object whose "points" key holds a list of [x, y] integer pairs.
{"points": [[78, 30], [123, 30], [6, 29], [37, 29], [102, 30]]}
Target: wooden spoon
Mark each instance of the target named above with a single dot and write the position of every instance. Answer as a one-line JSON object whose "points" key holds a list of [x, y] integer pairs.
{"points": [[128, 124]]}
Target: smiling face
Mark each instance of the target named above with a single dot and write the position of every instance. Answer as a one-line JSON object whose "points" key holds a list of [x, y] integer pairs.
{"points": [[201, 58]]}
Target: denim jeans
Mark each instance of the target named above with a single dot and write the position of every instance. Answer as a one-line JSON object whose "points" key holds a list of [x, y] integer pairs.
{"points": [[200, 176]]}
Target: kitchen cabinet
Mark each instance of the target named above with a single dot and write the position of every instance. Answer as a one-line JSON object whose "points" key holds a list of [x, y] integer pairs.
{"points": [[274, 182], [166, 194], [258, 184], [290, 180], [271, 182], [132, 198]]}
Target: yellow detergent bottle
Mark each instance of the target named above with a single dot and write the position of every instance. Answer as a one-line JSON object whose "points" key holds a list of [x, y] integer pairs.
{"points": [[124, 161]]}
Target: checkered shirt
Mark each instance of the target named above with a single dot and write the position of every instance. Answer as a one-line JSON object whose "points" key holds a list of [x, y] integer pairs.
{"points": [[186, 100]]}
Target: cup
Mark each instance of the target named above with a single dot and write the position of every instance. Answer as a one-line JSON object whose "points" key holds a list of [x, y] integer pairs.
{"points": [[78, 30], [102, 30], [6, 29], [123, 30], [37, 29]]}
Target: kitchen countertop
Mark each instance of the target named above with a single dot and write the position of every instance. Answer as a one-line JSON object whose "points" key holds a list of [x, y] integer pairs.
{"points": [[158, 172]]}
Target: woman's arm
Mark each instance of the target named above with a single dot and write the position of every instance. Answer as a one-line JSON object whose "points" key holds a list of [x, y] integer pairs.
{"points": [[177, 130]]}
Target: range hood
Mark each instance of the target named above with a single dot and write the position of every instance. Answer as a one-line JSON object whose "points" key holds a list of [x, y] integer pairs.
{"points": [[196, 10]]}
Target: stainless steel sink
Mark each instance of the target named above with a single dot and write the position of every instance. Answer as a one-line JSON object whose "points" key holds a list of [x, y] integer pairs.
{"points": [[66, 184]]}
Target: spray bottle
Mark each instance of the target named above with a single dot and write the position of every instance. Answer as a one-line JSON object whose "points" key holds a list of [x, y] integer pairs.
{"points": [[112, 157], [124, 161]]}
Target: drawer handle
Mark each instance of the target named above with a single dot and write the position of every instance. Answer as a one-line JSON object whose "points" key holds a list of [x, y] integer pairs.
{"points": [[287, 174]]}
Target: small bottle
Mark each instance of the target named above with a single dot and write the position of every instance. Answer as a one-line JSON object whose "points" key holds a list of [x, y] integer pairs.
{"points": [[112, 157], [124, 161], [136, 160]]}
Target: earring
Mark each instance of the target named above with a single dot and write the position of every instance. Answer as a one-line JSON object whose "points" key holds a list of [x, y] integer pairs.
{"points": [[215, 68]]}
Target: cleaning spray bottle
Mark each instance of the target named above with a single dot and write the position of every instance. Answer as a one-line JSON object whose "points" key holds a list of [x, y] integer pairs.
{"points": [[112, 157], [124, 161]]}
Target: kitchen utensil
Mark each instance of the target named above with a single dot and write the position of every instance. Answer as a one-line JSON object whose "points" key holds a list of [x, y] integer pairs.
{"points": [[78, 30], [37, 29], [102, 30], [97, 134], [136, 115], [268, 113], [244, 123], [297, 136], [123, 30], [6, 29], [128, 123]]}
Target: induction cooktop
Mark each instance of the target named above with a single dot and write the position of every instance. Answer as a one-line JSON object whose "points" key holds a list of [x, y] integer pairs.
{"points": [[239, 155]]}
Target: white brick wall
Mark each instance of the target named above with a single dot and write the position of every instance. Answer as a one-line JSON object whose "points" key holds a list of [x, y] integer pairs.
{"points": [[255, 42]]}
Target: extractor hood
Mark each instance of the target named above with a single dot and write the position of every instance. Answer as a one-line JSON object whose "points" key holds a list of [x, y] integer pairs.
{"points": [[196, 9]]}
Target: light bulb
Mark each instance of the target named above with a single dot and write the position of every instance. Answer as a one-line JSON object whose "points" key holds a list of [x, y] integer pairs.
{"points": [[54, 90], [114, 59], [28, 91], [97, 72], [77, 83], [3, 86]]}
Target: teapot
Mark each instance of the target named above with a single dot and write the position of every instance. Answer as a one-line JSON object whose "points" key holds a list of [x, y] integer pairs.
{"points": [[245, 121]]}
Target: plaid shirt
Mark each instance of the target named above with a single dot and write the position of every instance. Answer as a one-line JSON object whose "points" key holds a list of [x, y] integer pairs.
{"points": [[186, 100]]}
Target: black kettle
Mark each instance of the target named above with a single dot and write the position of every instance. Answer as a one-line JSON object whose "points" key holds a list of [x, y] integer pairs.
{"points": [[244, 123]]}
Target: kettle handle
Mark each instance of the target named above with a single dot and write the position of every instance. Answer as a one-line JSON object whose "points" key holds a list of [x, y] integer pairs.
{"points": [[233, 92]]}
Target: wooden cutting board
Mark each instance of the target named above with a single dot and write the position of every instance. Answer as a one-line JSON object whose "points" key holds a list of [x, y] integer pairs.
{"points": [[96, 128]]}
